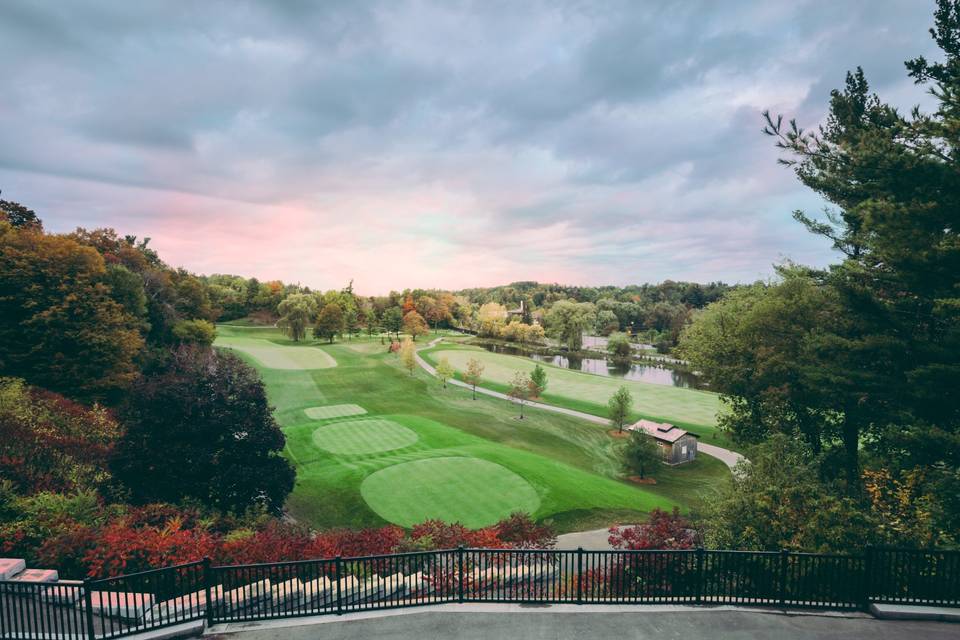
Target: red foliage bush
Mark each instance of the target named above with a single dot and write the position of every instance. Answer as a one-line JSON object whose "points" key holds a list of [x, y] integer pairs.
{"points": [[160, 535], [663, 531]]}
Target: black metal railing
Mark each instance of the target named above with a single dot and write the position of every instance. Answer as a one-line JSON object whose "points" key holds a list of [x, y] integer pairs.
{"points": [[130, 604]]}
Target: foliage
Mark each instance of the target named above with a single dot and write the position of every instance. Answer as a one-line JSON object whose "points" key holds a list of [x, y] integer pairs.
{"points": [[445, 371], [538, 381], [607, 322], [568, 320], [202, 332], [641, 453], [618, 346], [60, 327], [907, 509], [297, 312], [520, 531], [618, 407], [774, 352], [473, 374], [50, 443], [19, 216], [393, 321], [779, 501], [519, 389], [408, 355], [83, 537], [330, 322], [490, 318], [894, 187], [415, 325], [200, 427], [662, 531]]}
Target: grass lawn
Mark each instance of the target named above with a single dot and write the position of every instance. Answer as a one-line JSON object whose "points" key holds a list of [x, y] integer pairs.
{"points": [[274, 356], [689, 408], [423, 451]]}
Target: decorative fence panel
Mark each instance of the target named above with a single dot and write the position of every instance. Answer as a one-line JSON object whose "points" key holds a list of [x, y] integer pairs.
{"points": [[131, 604]]}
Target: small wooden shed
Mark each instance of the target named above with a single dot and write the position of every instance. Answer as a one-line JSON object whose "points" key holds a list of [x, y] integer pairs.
{"points": [[678, 445]]}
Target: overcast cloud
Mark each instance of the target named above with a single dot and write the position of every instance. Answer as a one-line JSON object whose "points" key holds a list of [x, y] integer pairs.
{"points": [[445, 144]]}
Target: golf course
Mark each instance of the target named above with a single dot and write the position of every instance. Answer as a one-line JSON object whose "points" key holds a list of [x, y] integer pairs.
{"points": [[373, 444], [693, 410]]}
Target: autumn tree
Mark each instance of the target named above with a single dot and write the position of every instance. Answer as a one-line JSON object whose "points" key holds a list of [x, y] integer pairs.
{"points": [[618, 407], [491, 317], [60, 327], [297, 313], [197, 331], [199, 427], [51, 443], [330, 322], [414, 325], [408, 355], [519, 390], [473, 374], [19, 216], [662, 530], [445, 371]]}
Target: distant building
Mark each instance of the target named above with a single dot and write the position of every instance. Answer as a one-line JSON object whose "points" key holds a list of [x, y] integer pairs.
{"points": [[678, 445], [516, 313]]}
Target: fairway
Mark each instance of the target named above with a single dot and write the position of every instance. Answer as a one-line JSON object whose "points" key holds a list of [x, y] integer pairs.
{"points": [[371, 435], [334, 411], [275, 356], [687, 406], [468, 490], [343, 463]]}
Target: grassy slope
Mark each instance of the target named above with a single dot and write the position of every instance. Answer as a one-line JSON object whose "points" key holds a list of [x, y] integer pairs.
{"points": [[689, 408], [570, 463]]}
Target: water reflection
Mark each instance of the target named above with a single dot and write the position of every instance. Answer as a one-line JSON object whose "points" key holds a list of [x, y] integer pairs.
{"points": [[627, 370]]}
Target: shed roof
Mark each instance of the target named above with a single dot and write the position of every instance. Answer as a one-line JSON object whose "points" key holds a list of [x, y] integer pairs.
{"points": [[662, 431]]}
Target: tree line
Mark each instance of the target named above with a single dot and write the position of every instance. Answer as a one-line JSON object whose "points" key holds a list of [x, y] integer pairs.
{"points": [[847, 377]]}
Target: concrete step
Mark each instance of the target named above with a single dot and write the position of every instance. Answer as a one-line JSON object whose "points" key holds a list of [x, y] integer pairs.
{"points": [[914, 612], [36, 575], [10, 567]]}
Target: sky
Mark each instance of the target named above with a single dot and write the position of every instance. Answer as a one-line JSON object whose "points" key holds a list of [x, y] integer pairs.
{"points": [[437, 144]]}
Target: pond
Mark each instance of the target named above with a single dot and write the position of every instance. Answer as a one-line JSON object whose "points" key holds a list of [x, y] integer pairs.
{"points": [[652, 373]]}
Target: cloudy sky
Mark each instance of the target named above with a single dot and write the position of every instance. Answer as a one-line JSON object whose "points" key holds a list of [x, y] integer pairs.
{"points": [[445, 144]]}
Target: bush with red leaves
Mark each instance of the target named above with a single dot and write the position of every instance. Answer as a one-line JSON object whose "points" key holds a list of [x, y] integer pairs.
{"points": [[663, 531]]}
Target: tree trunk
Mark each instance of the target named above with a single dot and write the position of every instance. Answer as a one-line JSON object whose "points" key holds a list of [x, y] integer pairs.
{"points": [[851, 447]]}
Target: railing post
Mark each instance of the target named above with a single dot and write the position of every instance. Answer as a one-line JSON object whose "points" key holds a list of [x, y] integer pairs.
{"points": [[338, 576], [208, 590], [460, 573], [784, 559], [868, 569], [88, 608], [700, 575], [579, 575]]}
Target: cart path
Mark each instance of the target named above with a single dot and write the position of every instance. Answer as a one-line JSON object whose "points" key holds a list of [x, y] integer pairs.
{"points": [[728, 457]]}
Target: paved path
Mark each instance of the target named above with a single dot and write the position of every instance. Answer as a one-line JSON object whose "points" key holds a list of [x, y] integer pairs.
{"points": [[596, 540], [729, 458], [553, 622]]}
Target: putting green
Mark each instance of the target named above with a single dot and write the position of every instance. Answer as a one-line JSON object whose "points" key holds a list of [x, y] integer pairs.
{"points": [[276, 356], [371, 435], [471, 491], [334, 411]]}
